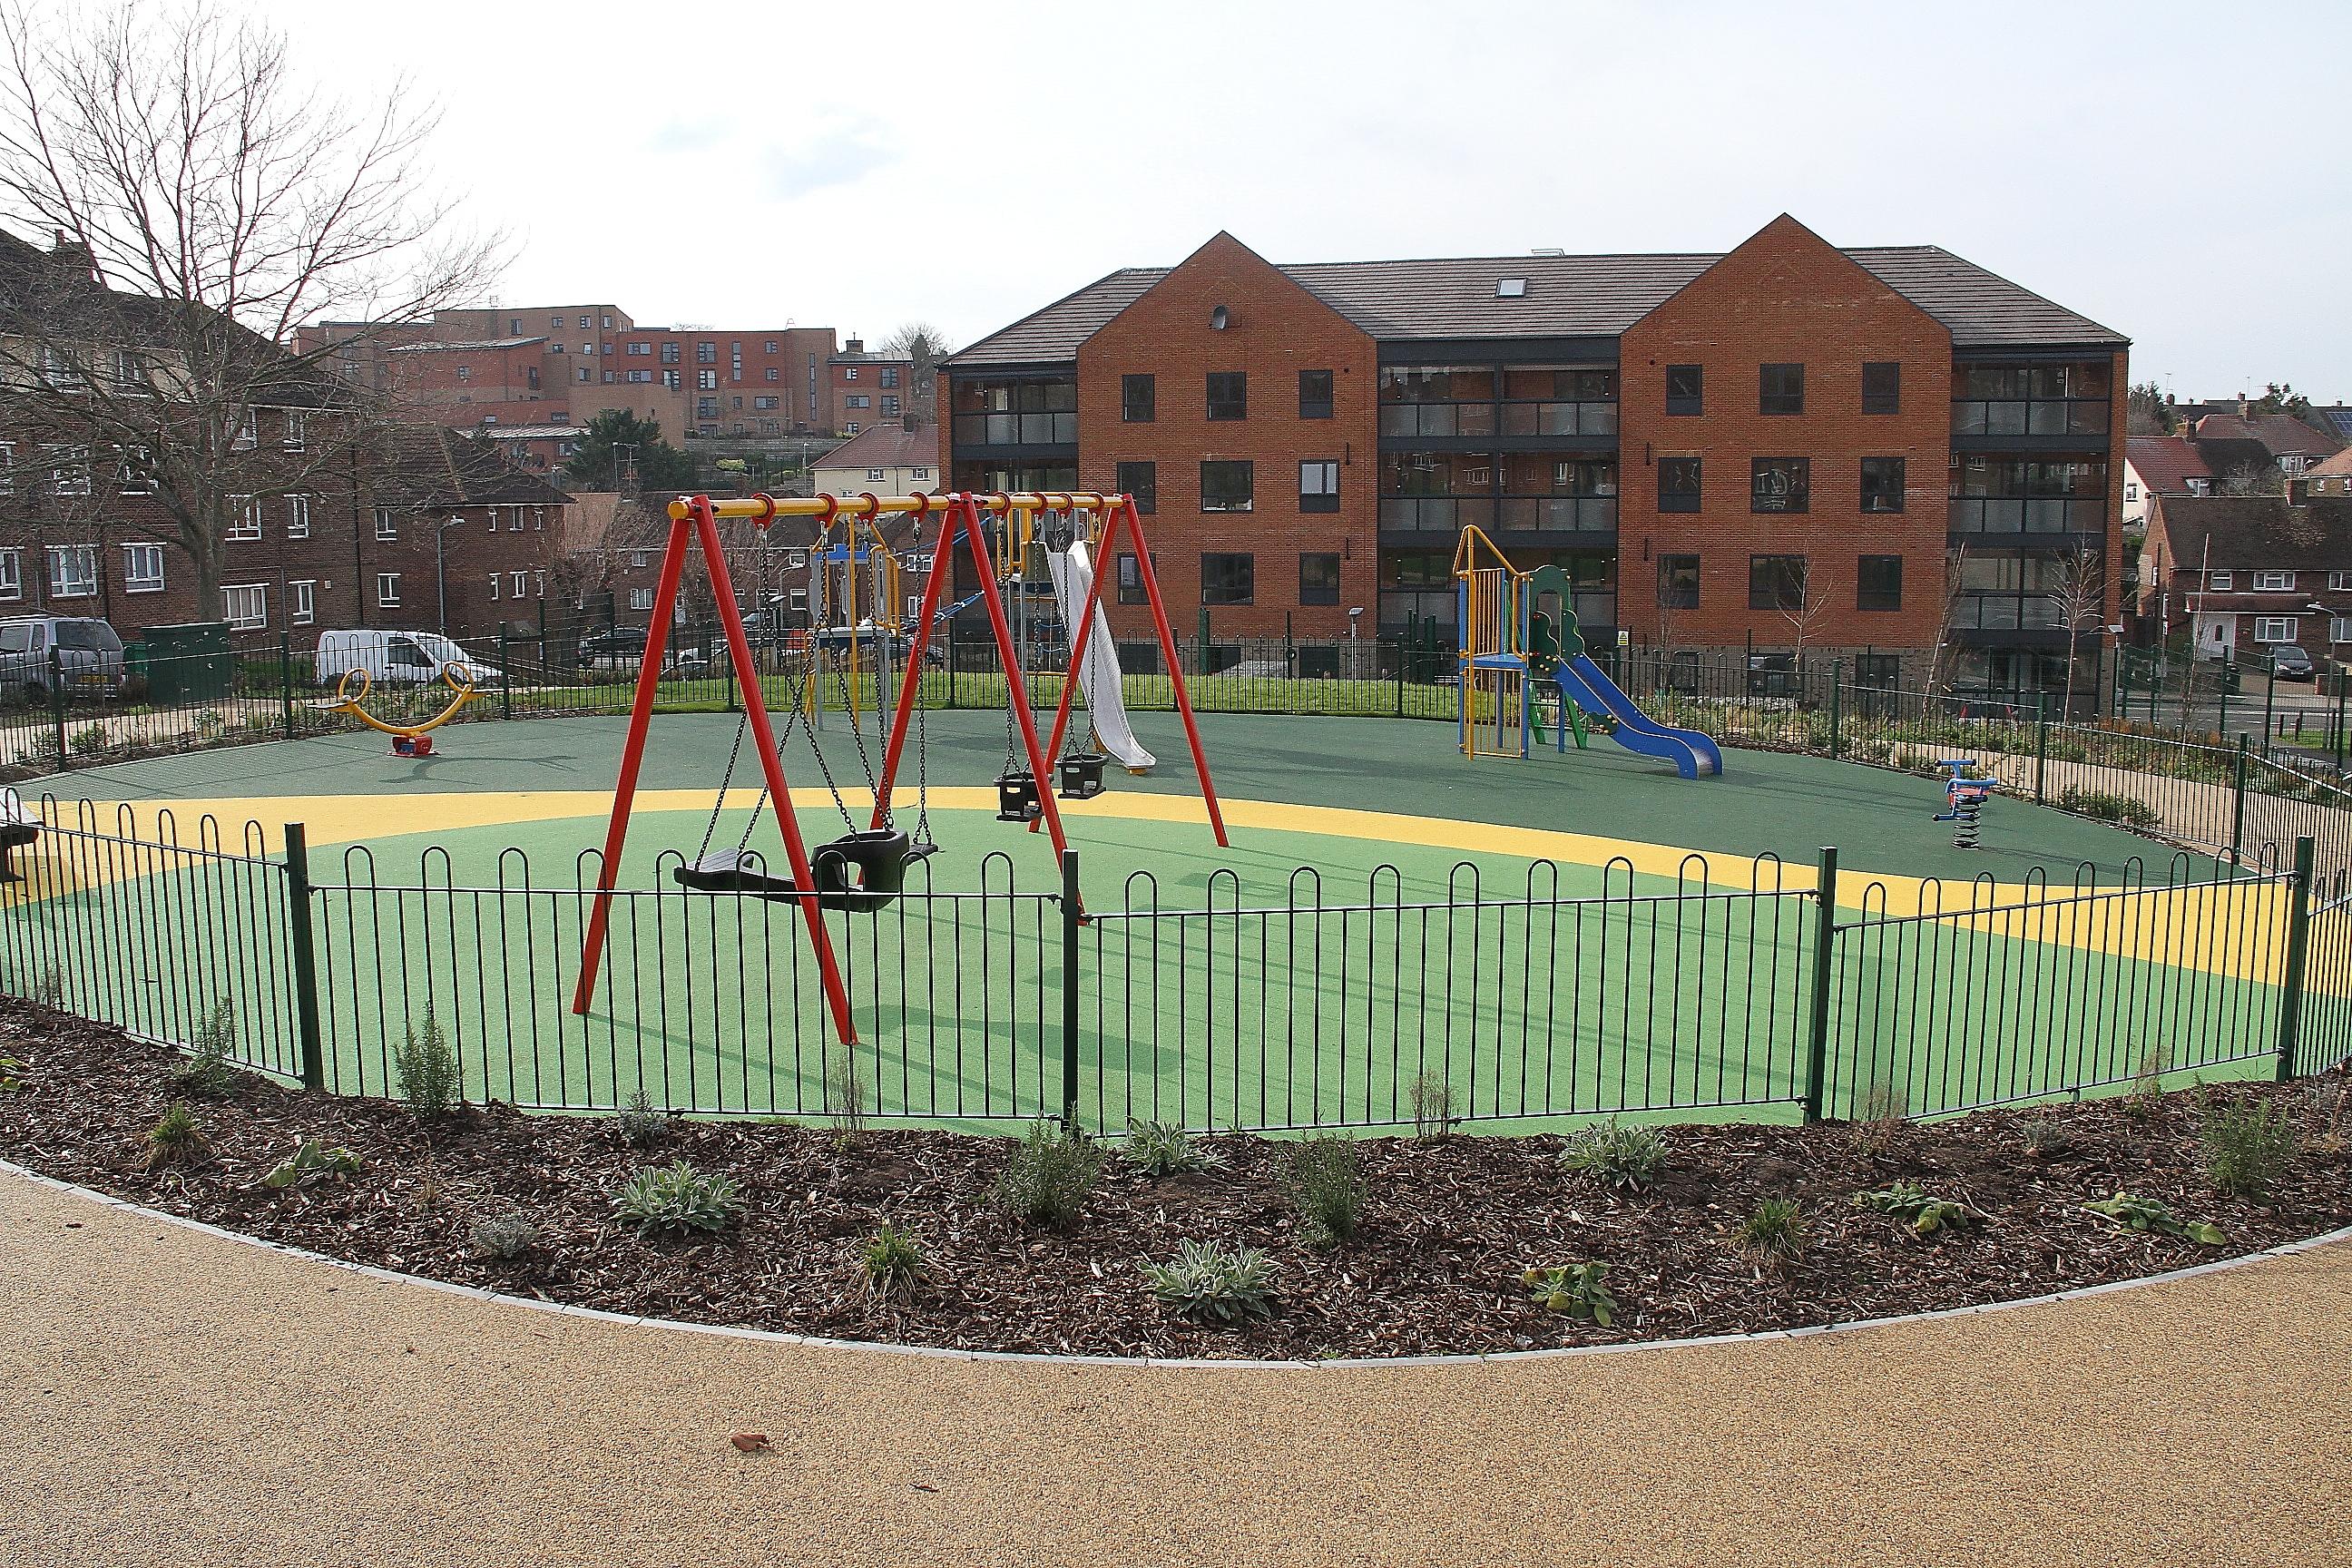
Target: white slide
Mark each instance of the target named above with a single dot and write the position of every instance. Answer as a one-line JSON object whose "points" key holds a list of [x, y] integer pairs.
{"points": [[1073, 584]]}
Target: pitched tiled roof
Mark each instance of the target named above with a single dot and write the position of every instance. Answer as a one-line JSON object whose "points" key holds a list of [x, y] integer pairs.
{"points": [[2277, 434], [2165, 463], [890, 445], [1566, 295], [431, 466], [2338, 465], [2258, 532]]}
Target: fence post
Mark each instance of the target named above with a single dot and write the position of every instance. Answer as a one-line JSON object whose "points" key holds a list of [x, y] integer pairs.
{"points": [[2238, 805], [2040, 743], [1817, 1057], [2270, 705], [1837, 707], [2298, 952], [506, 672], [286, 678], [1072, 934], [2341, 676], [2228, 680], [304, 948], [57, 700]]}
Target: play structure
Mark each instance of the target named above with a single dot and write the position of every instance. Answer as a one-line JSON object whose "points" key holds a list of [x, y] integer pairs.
{"points": [[1964, 800], [1518, 637], [859, 614], [408, 740]]}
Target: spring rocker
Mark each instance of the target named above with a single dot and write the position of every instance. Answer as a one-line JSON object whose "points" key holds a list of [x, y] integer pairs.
{"points": [[1964, 800], [408, 740], [864, 869]]}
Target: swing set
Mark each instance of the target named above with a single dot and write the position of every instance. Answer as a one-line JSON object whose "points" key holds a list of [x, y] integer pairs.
{"points": [[865, 869]]}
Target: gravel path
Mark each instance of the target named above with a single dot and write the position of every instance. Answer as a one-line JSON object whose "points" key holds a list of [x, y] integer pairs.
{"points": [[177, 1397]]}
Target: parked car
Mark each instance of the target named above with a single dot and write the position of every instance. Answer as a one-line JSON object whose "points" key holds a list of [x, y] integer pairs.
{"points": [[617, 649], [396, 658], [88, 657], [2290, 662]]}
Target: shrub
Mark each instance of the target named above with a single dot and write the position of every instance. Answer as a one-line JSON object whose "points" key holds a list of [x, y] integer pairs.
{"points": [[503, 1236], [2247, 1145], [49, 990], [1165, 1149], [2151, 1216], [1773, 1233], [674, 1199], [1211, 1282], [204, 1068], [1924, 1212], [2146, 1096], [175, 1140], [845, 1094], [1046, 1178], [310, 1161], [1574, 1289], [2329, 1101], [1622, 1156], [2106, 807], [1432, 1099], [1327, 1185], [893, 1263], [428, 1067], [641, 1125]]}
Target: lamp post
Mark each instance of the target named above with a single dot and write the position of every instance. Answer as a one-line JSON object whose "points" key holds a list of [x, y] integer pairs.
{"points": [[441, 569]]}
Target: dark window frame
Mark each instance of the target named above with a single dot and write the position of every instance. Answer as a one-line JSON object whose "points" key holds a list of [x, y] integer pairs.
{"points": [[1800, 496], [1691, 398], [1875, 501], [1312, 405], [1226, 560], [1878, 599], [1780, 388], [1319, 501], [1130, 578], [1681, 500], [1227, 390], [1671, 596], [1147, 385], [1766, 594], [1247, 472], [1147, 494], [1886, 397], [1316, 593]]}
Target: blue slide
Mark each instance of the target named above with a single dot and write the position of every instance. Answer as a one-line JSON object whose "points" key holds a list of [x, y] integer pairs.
{"points": [[1587, 685]]}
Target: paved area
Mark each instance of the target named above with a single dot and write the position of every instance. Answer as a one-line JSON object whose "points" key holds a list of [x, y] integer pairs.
{"points": [[182, 1398]]}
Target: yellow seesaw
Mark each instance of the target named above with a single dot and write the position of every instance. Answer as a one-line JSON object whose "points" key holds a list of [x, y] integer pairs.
{"points": [[408, 740]]}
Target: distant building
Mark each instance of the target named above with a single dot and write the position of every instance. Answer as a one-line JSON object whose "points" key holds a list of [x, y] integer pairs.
{"points": [[2161, 465], [888, 460], [2243, 574]]}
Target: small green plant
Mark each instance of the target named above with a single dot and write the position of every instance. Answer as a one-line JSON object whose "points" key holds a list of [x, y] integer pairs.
{"points": [[893, 1263], [640, 1124], [503, 1236], [311, 1162], [175, 1140], [1048, 1176], [1212, 1282], [1327, 1185], [1432, 1099], [1625, 1156], [50, 990], [1165, 1149], [2045, 1138], [90, 739], [204, 1068], [2152, 1215], [1878, 1118], [675, 1199], [1574, 1289], [845, 1094], [2118, 808], [1923, 1212], [2248, 1143], [1773, 1233], [428, 1067]]}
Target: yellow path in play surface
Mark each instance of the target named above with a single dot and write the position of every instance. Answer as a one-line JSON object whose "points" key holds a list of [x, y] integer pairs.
{"points": [[2236, 930]]}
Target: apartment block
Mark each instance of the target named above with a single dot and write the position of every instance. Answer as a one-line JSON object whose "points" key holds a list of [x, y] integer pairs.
{"points": [[1886, 454]]}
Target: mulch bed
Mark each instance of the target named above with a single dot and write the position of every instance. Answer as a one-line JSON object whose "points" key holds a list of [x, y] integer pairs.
{"points": [[1447, 1228]]}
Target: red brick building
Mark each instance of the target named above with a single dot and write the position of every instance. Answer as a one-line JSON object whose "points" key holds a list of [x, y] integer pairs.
{"points": [[1885, 453], [2239, 576]]}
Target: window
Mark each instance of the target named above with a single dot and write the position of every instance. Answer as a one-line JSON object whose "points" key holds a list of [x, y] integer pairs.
{"points": [[1882, 484], [585, 374], [1318, 485], [2221, 582], [850, 428], [638, 349], [1776, 582], [705, 354], [1139, 398], [1228, 395], [849, 375], [494, 587], [1315, 395], [247, 523], [859, 400], [2131, 490], [1781, 484], [706, 379], [2339, 582], [302, 602], [248, 434], [1879, 582], [555, 321], [297, 429], [7, 468], [641, 599], [1318, 579], [246, 606], [1678, 484], [889, 374], [387, 588], [2199, 487], [142, 568], [772, 375], [926, 473], [1130, 582], [73, 571], [1679, 581], [298, 517], [890, 408], [517, 584], [2273, 582], [1140, 480], [669, 352], [1781, 389], [2274, 628], [12, 573], [1881, 387], [1228, 579], [132, 475], [386, 525], [1227, 486], [69, 470], [538, 518], [130, 368], [766, 402], [638, 558], [514, 518], [1686, 389]]}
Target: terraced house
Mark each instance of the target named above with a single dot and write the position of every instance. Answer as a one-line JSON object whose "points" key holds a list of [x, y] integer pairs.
{"points": [[1887, 454]]}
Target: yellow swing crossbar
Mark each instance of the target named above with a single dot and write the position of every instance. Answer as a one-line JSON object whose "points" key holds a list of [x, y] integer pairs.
{"points": [[347, 701]]}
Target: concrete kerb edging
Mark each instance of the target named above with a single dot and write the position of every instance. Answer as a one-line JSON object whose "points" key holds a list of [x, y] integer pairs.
{"points": [[771, 1336]]}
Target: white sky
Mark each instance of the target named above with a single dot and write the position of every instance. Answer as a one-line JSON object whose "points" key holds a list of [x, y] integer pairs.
{"points": [[2180, 172]]}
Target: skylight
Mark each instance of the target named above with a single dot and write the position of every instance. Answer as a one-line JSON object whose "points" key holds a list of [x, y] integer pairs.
{"points": [[1510, 287]]}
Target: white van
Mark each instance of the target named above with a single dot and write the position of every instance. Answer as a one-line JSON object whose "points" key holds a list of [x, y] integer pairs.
{"points": [[395, 659]]}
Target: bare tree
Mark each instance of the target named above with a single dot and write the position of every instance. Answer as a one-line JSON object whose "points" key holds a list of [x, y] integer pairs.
{"points": [[2079, 595], [2246, 479], [1943, 660], [201, 202], [926, 345], [1805, 612]]}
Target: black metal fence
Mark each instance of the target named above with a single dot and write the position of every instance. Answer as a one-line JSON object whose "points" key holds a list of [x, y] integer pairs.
{"points": [[1780, 991]]}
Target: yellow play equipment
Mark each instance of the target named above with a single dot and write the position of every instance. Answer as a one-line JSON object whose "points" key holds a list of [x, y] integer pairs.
{"points": [[408, 740]]}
